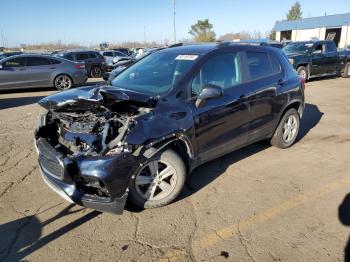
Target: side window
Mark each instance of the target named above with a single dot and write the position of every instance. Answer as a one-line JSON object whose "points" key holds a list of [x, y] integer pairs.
{"points": [[318, 48], [330, 47], [37, 61], [81, 56], [92, 55], [222, 70], [15, 62], [110, 54], [54, 62], [260, 65], [69, 57], [276, 66]]}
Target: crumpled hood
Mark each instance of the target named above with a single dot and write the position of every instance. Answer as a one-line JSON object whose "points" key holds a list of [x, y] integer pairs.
{"points": [[88, 97]]}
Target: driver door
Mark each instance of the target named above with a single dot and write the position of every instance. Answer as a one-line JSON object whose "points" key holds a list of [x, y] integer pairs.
{"points": [[221, 124]]}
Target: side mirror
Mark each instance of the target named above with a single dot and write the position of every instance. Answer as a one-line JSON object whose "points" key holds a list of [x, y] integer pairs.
{"points": [[1, 66], [208, 91]]}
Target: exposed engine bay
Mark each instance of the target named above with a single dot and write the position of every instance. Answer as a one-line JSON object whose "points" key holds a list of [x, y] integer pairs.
{"points": [[96, 132]]}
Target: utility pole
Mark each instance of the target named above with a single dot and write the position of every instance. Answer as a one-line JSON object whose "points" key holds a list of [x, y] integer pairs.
{"points": [[174, 1], [2, 38]]}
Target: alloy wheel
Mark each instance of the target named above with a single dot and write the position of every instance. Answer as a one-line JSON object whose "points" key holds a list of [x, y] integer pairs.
{"points": [[63, 82], [290, 128], [156, 180]]}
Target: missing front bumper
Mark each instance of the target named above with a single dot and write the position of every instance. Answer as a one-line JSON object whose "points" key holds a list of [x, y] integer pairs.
{"points": [[61, 174]]}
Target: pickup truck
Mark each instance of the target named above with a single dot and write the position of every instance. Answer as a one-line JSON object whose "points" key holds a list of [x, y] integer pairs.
{"points": [[318, 58]]}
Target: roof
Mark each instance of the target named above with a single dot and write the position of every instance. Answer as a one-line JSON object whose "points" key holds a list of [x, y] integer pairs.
{"points": [[191, 48], [314, 22]]}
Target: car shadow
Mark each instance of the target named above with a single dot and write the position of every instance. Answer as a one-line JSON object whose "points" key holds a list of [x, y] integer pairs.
{"points": [[208, 172], [18, 101], [320, 78], [26, 90], [21, 237], [344, 217]]}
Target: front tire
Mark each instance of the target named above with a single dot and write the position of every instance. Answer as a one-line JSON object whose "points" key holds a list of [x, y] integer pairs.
{"points": [[159, 181], [287, 130], [63, 82], [303, 72], [346, 73]]}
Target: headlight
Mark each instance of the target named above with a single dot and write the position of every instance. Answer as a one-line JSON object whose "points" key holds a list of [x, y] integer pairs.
{"points": [[291, 60]]}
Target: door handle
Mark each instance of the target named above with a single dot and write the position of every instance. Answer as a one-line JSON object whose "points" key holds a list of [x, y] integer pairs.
{"points": [[280, 82]]}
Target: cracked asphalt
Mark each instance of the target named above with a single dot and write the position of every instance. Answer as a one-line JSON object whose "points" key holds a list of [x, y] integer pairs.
{"points": [[256, 204]]}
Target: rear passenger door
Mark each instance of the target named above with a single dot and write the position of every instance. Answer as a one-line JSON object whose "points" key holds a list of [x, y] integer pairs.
{"points": [[265, 77], [84, 57], [13, 73], [39, 71]]}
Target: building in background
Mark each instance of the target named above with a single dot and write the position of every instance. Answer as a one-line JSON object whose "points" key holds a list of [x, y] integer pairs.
{"points": [[336, 27]]}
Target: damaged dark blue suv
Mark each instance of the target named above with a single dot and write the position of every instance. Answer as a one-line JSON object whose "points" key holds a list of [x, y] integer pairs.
{"points": [[163, 116]]}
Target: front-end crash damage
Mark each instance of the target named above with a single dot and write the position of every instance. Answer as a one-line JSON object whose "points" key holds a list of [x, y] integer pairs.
{"points": [[82, 140]]}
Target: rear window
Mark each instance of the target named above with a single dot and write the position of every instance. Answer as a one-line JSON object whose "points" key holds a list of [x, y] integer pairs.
{"points": [[108, 54], [260, 65], [93, 55], [37, 61], [81, 56]]}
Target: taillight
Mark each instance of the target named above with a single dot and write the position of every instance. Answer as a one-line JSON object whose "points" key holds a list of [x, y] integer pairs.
{"points": [[80, 66], [303, 81]]}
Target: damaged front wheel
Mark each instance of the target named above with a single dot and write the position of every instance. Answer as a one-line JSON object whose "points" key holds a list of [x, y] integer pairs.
{"points": [[159, 181]]}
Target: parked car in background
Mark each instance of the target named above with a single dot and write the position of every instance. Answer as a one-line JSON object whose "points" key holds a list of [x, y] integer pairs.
{"points": [[125, 51], [318, 58], [163, 116], [95, 63], [112, 57], [8, 54], [26, 71], [124, 63], [116, 69]]}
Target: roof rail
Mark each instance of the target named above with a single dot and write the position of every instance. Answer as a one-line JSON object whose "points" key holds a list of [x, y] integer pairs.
{"points": [[176, 45]]}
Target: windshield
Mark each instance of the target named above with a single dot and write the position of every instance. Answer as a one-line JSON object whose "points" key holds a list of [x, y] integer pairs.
{"points": [[298, 47], [156, 73]]}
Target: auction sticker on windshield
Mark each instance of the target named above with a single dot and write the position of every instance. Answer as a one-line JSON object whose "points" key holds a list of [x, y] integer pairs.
{"points": [[186, 57]]}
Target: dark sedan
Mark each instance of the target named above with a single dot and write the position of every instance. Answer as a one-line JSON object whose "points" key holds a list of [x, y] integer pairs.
{"points": [[162, 117]]}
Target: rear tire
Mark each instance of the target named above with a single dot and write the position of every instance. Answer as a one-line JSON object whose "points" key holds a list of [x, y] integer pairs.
{"points": [[63, 82], [287, 130], [159, 181], [303, 72], [346, 73], [96, 72]]}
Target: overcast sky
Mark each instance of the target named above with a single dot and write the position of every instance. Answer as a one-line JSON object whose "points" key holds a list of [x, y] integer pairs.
{"points": [[91, 22]]}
